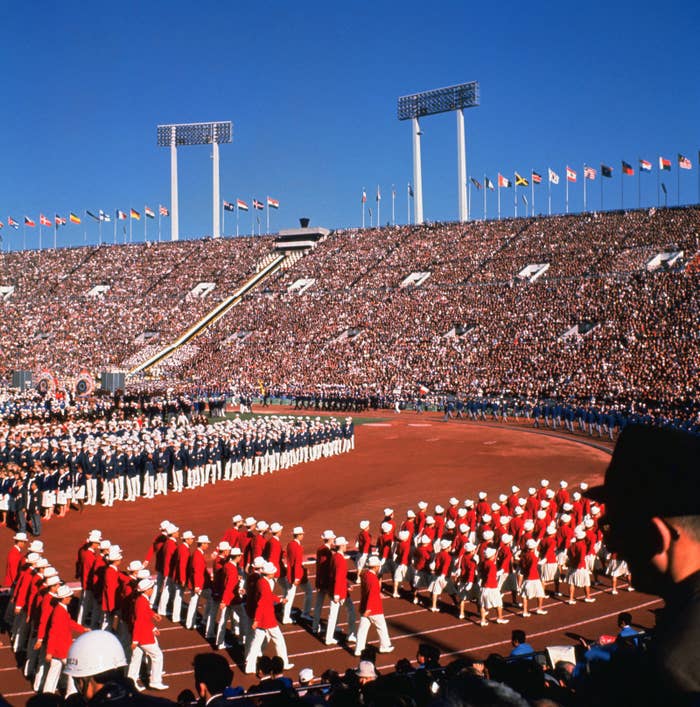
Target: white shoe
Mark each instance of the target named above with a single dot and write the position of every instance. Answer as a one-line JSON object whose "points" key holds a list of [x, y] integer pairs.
{"points": [[502, 621], [630, 589], [158, 686], [614, 591], [332, 642], [289, 666], [589, 600], [541, 612], [571, 602], [287, 621], [483, 623], [352, 638], [357, 654], [415, 600], [526, 614], [434, 609], [396, 596], [461, 616], [390, 649]]}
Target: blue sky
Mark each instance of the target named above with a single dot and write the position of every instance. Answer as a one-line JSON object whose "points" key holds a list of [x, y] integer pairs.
{"points": [[311, 89]]}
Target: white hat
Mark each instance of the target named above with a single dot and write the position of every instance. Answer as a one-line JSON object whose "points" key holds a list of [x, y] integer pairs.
{"points": [[20, 537], [327, 535], [487, 535], [461, 512], [364, 524], [236, 551], [50, 571], [551, 529], [366, 670], [515, 489], [439, 509], [259, 563], [482, 495], [41, 563], [531, 544], [583, 486], [580, 534], [201, 539], [550, 493], [269, 568], [506, 538], [386, 527], [544, 503], [164, 524], [114, 554], [468, 503], [565, 518], [36, 546], [145, 584], [489, 552], [588, 522], [454, 501], [541, 515], [425, 540], [563, 484], [94, 653], [306, 675], [223, 546], [374, 561], [495, 506], [544, 483], [463, 527], [444, 544], [64, 591], [172, 529], [595, 510], [342, 540], [422, 505], [529, 524], [53, 580], [469, 547], [261, 526], [450, 525], [410, 513], [187, 535], [486, 518], [134, 566], [567, 507], [237, 518], [532, 490], [275, 527], [503, 498], [522, 502], [250, 521], [504, 520], [429, 520], [388, 511], [404, 535], [143, 573]]}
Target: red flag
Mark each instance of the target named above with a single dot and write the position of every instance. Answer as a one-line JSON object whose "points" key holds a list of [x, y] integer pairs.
{"points": [[45, 221], [29, 222]]}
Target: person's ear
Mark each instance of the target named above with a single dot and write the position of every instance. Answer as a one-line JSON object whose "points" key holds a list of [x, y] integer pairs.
{"points": [[659, 536], [202, 689]]}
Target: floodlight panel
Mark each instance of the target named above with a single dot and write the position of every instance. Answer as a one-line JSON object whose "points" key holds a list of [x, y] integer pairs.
{"points": [[439, 100], [195, 133]]}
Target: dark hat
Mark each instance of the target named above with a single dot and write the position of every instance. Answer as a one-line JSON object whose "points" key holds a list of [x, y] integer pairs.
{"points": [[654, 472]]}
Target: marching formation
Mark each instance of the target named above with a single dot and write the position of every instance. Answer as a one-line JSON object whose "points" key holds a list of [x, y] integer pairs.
{"points": [[46, 468], [476, 552]]}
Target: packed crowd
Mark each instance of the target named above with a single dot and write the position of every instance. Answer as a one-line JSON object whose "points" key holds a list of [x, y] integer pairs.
{"points": [[45, 468], [476, 553]]}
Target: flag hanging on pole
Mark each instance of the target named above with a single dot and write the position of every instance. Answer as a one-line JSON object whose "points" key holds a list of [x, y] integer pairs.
{"points": [[536, 178], [364, 195], [29, 222], [503, 182], [121, 215], [272, 203], [553, 176], [410, 192], [379, 194], [73, 218], [149, 212], [627, 168], [606, 171], [91, 215], [258, 205], [570, 175], [45, 221], [475, 182], [104, 217], [684, 162], [12, 223], [644, 166], [228, 206], [135, 214], [60, 220], [589, 173], [163, 210], [664, 164], [488, 184], [521, 181], [663, 188], [242, 206]]}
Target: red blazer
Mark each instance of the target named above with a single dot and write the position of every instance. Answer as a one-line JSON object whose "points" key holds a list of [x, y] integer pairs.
{"points": [[142, 632], [47, 606], [489, 577], [265, 605], [295, 558], [403, 552], [371, 596], [528, 565], [443, 560], [467, 569], [231, 537], [273, 553], [251, 593], [339, 576], [229, 591], [86, 562], [384, 543], [179, 563], [364, 542], [166, 556], [155, 547], [109, 589], [60, 632], [421, 558], [199, 577], [23, 586], [14, 558]]}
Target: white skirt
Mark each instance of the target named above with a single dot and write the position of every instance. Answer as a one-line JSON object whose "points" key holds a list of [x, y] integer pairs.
{"points": [[48, 498], [533, 589], [441, 584], [61, 498], [400, 573], [617, 568], [78, 492], [549, 571], [491, 598], [5, 502], [580, 578]]}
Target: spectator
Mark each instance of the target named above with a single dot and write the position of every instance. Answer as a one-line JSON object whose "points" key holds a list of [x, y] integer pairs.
{"points": [[212, 677], [520, 645]]}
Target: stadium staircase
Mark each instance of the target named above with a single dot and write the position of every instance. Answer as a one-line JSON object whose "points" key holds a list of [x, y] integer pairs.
{"points": [[268, 266]]}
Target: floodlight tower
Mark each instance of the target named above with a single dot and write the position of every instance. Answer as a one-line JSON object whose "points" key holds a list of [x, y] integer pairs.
{"points": [[194, 134], [440, 100]]}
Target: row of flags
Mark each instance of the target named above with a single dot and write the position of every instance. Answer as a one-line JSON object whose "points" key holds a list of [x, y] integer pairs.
{"points": [[257, 205], [589, 173], [100, 216]]}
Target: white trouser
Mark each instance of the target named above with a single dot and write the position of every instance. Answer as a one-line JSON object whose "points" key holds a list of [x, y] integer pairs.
{"points": [[333, 617], [380, 624], [91, 485], [40, 673], [149, 485], [177, 480], [291, 593], [240, 624], [53, 675], [119, 488], [208, 610], [168, 588], [178, 595], [155, 655], [108, 492], [254, 648]]}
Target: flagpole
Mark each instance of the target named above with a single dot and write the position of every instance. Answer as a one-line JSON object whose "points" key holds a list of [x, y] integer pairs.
{"points": [[515, 197], [567, 190], [658, 182], [532, 195], [267, 215], [252, 216], [40, 234], [362, 203], [116, 218], [393, 199], [549, 194], [484, 197], [678, 187], [584, 187], [131, 226], [499, 199], [99, 232], [408, 203], [601, 187], [145, 225], [379, 206], [639, 184], [55, 233], [469, 197], [238, 211], [622, 190]]}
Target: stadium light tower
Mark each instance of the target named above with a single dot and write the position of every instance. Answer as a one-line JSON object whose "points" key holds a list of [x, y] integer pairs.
{"points": [[440, 100], [213, 134]]}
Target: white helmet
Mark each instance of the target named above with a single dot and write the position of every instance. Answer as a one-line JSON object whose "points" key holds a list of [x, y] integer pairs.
{"points": [[93, 653]]}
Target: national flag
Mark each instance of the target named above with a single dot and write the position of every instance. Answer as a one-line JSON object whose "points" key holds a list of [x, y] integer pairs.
{"points": [[521, 181], [570, 174], [29, 222], [488, 183], [121, 215], [410, 191], [12, 223], [423, 389], [475, 183], [627, 168], [73, 218], [664, 164], [228, 206], [272, 203], [606, 171], [45, 221], [379, 194], [163, 211], [242, 206], [60, 220], [258, 205], [502, 181], [644, 166], [149, 212], [135, 214], [663, 188], [364, 195], [589, 173], [536, 178], [684, 162], [91, 215], [2, 225], [553, 176], [104, 217]]}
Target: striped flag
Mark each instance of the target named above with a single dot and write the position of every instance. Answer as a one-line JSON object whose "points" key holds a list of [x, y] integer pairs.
{"points": [[135, 214], [664, 164], [502, 181], [475, 183], [73, 218], [627, 169], [29, 222], [60, 220], [589, 173], [644, 166], [149, 212], [228, 206], [488, 184], [242, 206], [684, 162], [570, 175], [163, 211], [91, 215], [553, 176], [12, 223], [121, 215], [272, 203], [45, 221], [258, 205], [536, 178]]}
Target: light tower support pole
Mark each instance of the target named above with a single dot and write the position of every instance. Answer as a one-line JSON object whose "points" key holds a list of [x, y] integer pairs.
{"points": [[462, 168], [174, 208], [216, 200], [417, 175]]}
